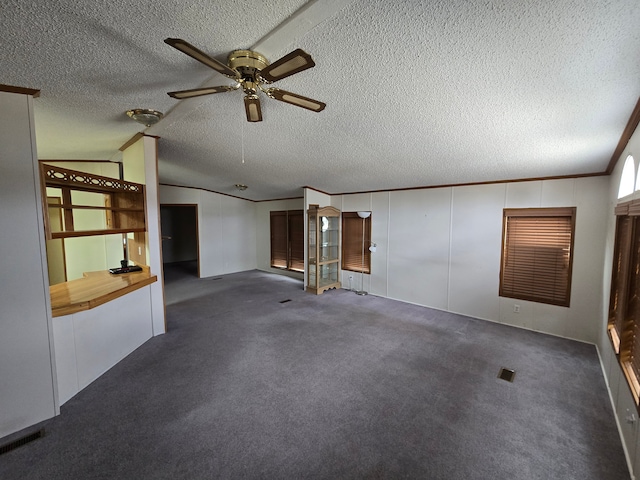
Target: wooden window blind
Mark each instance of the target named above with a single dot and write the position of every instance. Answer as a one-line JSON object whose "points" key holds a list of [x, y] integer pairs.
{"points": [[537, 254], [628, 327], [296, 240], [279, 242], [287, 240], [624, 300], [352, 258], [620, 275]]}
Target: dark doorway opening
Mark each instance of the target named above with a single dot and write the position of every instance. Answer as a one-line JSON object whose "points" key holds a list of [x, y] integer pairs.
{"points": [[180, 249]]}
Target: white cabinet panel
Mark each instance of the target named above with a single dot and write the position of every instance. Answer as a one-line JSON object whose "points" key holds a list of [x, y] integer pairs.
{"points": [[66, 366], [106, 334]]}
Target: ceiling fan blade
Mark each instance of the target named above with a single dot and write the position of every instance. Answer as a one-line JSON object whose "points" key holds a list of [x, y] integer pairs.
{"points": [[252, 107], [196, 92], [297, 100], [294, 62], [202, 57]]}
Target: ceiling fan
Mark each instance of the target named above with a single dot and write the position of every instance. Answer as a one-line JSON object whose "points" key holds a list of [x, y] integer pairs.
{"points": [[252, 72]]}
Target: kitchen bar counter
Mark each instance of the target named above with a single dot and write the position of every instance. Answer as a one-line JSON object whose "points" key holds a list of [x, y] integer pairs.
{"points": [[95, 288]]}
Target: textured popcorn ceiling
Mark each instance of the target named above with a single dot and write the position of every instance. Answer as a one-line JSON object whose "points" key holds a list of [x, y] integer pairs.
{"points": [[418, 92]]}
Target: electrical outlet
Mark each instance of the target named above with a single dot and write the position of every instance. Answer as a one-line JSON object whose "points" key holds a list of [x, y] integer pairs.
{"points": [[516, 308], [139, 250]]}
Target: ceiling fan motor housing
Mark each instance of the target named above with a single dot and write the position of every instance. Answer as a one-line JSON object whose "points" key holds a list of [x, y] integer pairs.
{"points": [[247, 62]]}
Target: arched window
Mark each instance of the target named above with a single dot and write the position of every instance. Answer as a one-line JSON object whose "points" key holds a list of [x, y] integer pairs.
{"points": [[630, 158], [627, 180]]}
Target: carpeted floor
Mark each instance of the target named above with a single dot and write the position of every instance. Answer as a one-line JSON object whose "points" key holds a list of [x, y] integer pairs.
{"points": [[248, 385]]}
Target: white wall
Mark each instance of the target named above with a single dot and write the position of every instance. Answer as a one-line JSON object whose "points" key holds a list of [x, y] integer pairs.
{"points": [[140, 164], [314, 197], [440, 248], [27, 369], [226, 229], [263, 232], [106, 169], [620, 393]]}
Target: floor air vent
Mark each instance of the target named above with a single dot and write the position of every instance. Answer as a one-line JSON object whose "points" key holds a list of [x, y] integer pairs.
{"points": [[506, 374], [285, 301], [21, 441]]}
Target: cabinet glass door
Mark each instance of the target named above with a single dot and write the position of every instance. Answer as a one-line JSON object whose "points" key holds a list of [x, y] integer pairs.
{"points": [[329, 239], [328, 274], [312, 241]]}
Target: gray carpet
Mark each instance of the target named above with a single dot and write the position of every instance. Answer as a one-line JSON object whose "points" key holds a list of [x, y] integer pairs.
{"points": [[331, 386]]}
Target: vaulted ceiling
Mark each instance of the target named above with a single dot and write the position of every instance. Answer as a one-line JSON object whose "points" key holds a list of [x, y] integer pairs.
{"points": [[418, 93]]}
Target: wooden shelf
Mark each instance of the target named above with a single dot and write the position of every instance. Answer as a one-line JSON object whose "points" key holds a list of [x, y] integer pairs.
{"points": [[95, 207], [123, 204], [92, 233]]}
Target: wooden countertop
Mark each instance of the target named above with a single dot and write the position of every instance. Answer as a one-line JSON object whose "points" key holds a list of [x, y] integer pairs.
{"points": [[95, 288]]}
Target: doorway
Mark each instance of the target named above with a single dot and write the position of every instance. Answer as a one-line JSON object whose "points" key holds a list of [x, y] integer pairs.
{"points": [[180, 247]]}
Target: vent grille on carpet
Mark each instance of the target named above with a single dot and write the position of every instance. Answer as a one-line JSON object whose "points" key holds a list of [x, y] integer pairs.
{"points": [[21, 441], [506, 374]]}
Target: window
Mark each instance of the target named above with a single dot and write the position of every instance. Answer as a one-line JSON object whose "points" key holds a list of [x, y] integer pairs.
{"points": [[352, 251], [627, 178], [624, 301], [287, 240], [537, 246]]}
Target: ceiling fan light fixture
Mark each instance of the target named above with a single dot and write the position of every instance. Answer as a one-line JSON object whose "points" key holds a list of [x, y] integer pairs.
{"points": [[252, 107], [251, 70], [241, 187], [145, 116]]}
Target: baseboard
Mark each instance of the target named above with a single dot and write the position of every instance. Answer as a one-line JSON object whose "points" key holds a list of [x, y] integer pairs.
{"points": [[615, 415], [486, 319]]}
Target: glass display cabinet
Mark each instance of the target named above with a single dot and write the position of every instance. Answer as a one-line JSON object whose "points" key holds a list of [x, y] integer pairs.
{"points": [[323, 264]]}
